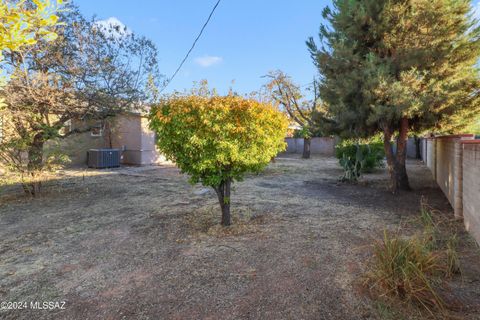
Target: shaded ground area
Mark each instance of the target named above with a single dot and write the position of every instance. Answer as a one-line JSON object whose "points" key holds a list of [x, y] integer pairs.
{"points": [[130, 243]]}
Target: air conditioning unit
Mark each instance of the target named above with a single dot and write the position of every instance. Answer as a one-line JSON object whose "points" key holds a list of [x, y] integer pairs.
{"points": [[103, 158]]}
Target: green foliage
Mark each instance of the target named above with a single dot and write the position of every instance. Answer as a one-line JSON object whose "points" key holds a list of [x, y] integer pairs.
{"points": [[396, 66], [295, 104], [352, 166], [383, 60], [215, 139], [303, 133], [357, 158], [474, 127]]}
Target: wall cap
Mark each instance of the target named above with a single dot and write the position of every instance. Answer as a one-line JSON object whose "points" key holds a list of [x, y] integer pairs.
{"points": [[477, 141], [456, 136]]}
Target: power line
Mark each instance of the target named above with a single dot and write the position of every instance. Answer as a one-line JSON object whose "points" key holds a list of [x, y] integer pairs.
{"points": [[191, 48]]}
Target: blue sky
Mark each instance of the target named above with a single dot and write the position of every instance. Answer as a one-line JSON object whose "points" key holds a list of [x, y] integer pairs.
{"points": [[243, 41]]}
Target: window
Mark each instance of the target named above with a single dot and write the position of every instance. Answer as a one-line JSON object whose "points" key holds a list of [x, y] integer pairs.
{"points": [[96, 132]]}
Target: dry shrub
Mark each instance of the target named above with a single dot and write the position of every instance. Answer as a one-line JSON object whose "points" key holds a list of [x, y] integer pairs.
{"points": [[404, 268], [441, 235], [206, 221], [414, 268]]}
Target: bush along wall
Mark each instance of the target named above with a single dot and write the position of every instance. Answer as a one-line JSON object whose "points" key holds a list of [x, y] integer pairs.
{"points": [[359, 158]]}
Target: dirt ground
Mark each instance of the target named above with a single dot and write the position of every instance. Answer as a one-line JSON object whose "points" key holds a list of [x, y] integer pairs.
{"points": [[140, 243]]}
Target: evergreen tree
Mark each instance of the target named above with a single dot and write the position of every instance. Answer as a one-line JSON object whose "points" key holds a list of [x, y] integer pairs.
{"points": [[396, 67]]}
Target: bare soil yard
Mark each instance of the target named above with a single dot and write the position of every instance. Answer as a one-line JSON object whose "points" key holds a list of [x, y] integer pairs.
{"points": [[142, 243]]}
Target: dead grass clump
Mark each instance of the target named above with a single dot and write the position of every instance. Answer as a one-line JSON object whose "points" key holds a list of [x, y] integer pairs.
{"points": [[414, 268], [405, 268], [441, 235], [207, 221]]}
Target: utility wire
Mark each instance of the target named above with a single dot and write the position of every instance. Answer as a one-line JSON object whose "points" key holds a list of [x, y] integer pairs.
{"points": [[191, 48]]}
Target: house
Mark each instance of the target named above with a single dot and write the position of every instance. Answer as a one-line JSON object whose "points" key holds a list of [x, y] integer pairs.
{"points": [[127, 131]]}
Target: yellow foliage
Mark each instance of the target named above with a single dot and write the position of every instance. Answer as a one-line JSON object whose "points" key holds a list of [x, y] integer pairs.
{"points": [[22, 26], [220, 137]]}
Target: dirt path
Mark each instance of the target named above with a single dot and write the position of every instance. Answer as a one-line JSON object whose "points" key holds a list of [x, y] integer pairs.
{"points": [[121, 244]]}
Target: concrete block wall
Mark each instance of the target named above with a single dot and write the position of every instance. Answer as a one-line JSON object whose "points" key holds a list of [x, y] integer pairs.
{"points": [[430, 155], [294, 145], [455, 164], [411, 148], [471, 187], [423, 150], [319, 145], [449, 170]]}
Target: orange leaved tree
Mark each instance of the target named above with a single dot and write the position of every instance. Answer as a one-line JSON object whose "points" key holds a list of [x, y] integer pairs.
{"points": [[218, 139]]}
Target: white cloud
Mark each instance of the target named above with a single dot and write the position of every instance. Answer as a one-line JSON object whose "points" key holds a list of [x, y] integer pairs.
{"points": [[208, 61], [113, 27]]}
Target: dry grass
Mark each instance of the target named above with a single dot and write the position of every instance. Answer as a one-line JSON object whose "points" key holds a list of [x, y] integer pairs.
{"points": [[405, 268], [142, 243], [415, 268], [206, 221]]}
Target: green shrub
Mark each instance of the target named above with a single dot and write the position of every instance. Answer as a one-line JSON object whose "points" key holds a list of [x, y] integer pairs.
{"points": [[357, 158], [372, 154], [303, 133], [352, 165]]}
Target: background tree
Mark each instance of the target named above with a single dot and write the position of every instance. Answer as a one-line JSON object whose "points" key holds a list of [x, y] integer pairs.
{"points": [[297, 107], [398, 66], [91, 71], [217, 140]]}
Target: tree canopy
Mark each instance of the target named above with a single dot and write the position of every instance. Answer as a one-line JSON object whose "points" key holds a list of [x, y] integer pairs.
{"points": [[297, 106], [396, 67], [23, 24], [218, 139], [90, 71]]}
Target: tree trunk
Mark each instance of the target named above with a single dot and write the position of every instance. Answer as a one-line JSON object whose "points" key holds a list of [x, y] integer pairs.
{"points": [[397, 161], [35, 163], [223, 193], [306, 148]]}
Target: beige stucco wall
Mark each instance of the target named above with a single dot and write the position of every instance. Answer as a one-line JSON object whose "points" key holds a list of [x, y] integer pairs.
{"points": [[127, 132], [131, 134], [150, 152], [471, 188], [75, 147], [126, 135]]}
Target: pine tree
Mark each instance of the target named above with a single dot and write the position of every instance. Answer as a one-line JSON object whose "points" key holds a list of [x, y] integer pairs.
{"points": [[397, 67]]}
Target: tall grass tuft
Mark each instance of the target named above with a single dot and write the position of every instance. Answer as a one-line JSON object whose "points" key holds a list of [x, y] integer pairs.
{"points": [[414, 268], [453, 261], [403, 268]]}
